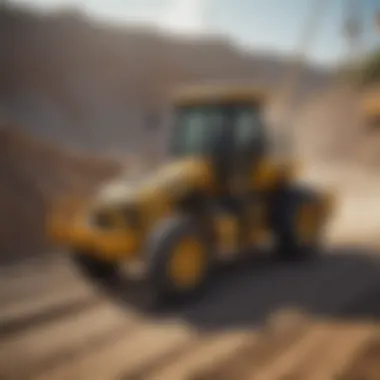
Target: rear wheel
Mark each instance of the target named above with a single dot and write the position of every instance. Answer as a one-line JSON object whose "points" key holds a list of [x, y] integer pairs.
{"points": [[297, 223], [179, 258]]}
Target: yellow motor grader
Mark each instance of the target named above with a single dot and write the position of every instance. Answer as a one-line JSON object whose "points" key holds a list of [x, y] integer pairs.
{"points": [[220, 193]]}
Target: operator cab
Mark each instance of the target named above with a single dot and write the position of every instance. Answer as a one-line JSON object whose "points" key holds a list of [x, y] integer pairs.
{"points": [[223, 125]]}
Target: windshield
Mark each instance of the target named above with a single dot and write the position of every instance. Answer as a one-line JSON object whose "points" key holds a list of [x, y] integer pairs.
{"points": [[199, 130], [196, 129]]}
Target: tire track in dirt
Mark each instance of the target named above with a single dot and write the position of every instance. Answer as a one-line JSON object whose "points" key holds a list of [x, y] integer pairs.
{"points": [[206, 352], [133, 351], [123, 343], [54, 342], [295, 353], [252, 352], [178, 345], [329, 359], [41, 310], [33, 270], [21, 288]]}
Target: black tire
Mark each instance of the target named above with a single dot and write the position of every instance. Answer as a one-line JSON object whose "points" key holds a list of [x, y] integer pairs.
{"points": [[160, 250], [285, 206], [95, 270]]}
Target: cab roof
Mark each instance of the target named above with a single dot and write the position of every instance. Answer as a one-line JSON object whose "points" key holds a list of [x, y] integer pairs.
{"points": [[203, 94]]}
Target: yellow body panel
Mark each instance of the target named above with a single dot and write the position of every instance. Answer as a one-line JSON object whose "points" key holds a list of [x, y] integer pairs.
{"points": [[113, 244], [228, 232], [268, 174]]}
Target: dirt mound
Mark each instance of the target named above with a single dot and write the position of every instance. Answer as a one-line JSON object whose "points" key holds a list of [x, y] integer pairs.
{"points": [[32, 175]]}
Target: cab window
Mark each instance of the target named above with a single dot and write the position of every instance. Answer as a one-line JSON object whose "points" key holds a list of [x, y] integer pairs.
{"points": [[196, 130], [248, 128]]}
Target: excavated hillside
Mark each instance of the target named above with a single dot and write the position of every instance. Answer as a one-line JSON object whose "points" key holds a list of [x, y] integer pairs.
{"points": [[32, 176], [76, 82]]}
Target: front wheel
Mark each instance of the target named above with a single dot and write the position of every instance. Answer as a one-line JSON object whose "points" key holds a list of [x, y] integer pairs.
{"points": [[179, 258]]}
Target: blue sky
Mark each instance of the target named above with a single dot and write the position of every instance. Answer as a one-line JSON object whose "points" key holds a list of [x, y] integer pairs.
{"points": [[272, 25]]}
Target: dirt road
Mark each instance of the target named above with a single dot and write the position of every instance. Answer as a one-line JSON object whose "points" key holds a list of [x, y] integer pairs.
{"points": [[259, 320], [54, 326]]}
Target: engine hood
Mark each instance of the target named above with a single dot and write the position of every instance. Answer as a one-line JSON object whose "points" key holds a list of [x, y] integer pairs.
{"points": [[169, 180]]}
